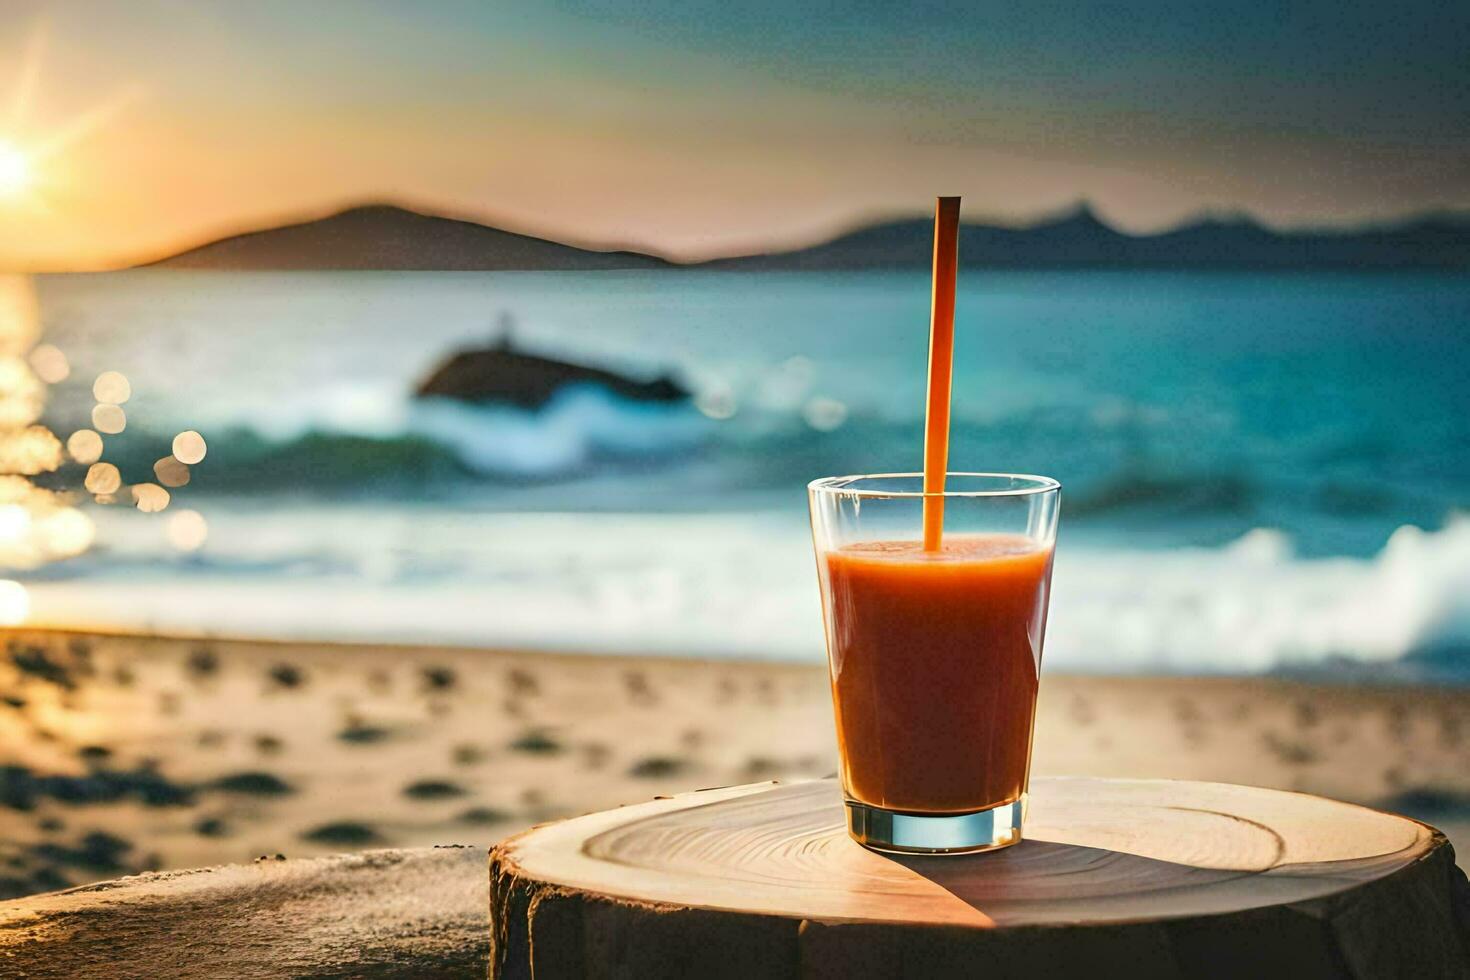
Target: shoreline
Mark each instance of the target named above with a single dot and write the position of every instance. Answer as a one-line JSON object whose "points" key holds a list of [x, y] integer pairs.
{"points": [[1349, 674], [131, 751]]}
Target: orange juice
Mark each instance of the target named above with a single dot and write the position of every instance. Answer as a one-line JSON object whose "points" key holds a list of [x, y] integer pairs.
{"points": [[935, 657]]}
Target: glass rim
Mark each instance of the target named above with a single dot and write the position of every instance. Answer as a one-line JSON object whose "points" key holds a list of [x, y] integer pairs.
{"points": [[840, 485]]}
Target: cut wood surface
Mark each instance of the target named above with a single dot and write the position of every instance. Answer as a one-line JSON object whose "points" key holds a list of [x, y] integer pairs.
{"points": [[1162, 878], [410, 914]]}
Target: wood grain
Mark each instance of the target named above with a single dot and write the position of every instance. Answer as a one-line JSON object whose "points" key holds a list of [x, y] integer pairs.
{"points": [[1169, 878]]}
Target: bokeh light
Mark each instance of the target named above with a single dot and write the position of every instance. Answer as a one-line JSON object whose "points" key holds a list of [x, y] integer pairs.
{"points": [[109, 419], [66, 532], [150, 497], [21, 393], [50, 364], [716, 403], [112, 388], [20, 315], [15, 523], [824, 414], [189, 447], [85, 446], [171, 472], [30, 451], [15, 603], [37, 524], [103, 478], [187, 530]]}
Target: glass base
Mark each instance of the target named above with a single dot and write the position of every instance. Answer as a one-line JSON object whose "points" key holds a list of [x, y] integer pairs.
{"points": [[956, 833]]}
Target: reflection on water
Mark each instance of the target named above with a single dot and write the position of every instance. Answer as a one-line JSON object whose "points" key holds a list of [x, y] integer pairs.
{"points": [[40, 518], [37, 524]]}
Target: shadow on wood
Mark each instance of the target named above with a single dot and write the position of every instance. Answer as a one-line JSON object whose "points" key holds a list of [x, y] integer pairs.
{"points": [[1034, 874], [1155, 878]]}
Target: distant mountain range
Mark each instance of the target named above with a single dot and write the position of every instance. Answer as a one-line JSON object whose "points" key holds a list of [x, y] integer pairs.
{"points": [[382, 236], [389, 237], [1081, 239]]}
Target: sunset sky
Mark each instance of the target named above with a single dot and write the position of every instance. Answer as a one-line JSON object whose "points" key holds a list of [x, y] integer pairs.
{"points": [[702, 126]]}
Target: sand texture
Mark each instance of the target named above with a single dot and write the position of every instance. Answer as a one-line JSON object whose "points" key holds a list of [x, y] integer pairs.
{"points": [[416, 914], [123, 754]]}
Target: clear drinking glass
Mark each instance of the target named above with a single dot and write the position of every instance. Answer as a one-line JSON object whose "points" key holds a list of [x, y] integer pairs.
{"points": [[935, 655]]}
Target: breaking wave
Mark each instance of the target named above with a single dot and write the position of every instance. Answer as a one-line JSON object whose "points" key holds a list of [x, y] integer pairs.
{"points": [[1254, 606], [743, 585]]}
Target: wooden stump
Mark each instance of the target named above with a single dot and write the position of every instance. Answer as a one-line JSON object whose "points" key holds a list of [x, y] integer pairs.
{"points": [[1145, 878]]}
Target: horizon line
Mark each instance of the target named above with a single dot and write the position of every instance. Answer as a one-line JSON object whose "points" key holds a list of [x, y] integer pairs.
{"points": [[874, 218]]}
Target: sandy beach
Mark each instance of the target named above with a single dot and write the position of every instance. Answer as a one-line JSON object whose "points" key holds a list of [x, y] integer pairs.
{"points": [[127, 753]]}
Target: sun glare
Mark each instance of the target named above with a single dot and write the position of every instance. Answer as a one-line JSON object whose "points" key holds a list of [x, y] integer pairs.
{"points": [[15, 170], [32, 167]]}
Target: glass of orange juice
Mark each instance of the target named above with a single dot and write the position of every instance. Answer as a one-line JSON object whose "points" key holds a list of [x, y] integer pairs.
{"points": [[935, 652]]}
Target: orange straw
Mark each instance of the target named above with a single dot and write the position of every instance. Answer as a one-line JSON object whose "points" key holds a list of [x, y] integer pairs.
{"points": [[941, 366]]}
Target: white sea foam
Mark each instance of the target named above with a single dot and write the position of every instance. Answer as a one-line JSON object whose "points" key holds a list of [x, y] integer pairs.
{"points": [[1252, 606], [743, 584], [576, 425]]}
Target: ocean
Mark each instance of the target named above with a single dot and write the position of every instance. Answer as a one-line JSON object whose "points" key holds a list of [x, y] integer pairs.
{"points": [[1261, 472]]}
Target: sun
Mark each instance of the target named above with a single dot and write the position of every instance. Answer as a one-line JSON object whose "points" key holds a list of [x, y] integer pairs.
{"points": [[31, 156], [16, 175]]}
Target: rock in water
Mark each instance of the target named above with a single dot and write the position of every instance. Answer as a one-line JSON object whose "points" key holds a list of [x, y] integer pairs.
{"points": [[501, 374]]}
